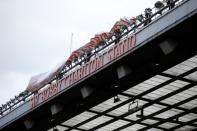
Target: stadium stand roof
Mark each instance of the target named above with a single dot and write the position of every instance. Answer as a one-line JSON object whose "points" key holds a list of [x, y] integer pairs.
{"points": [[167, 101]]}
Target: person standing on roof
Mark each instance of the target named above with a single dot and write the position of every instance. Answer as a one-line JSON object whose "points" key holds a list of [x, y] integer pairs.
{"points": [[123, 23], [170, 3], [148, 14], [88, 50], [132, 23], [88, 54], [140, 18], [116, 32]]}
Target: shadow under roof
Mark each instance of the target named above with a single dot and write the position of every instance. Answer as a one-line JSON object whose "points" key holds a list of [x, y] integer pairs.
{"points": [[167, 101]]}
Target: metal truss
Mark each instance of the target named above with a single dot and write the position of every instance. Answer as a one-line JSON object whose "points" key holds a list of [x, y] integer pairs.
{"points": [[167, 101]]}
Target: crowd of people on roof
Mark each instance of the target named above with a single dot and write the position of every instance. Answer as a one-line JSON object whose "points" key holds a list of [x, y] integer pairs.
{"points": [[116, 31], [102, 39]]}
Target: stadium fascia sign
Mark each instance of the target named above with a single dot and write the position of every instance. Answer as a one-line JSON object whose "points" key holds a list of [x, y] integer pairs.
{"points": [[86, 69]]}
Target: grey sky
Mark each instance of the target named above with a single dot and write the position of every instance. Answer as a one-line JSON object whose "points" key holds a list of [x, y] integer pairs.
{"points": [[35, 34]]}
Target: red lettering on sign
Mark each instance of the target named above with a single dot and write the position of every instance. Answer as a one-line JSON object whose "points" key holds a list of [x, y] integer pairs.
{"points": [[63, 82], [35, 100], [44, 95], [55, 88], [109, 55], [83, 71], [131, 41], [117, 50], [79, 74], [67, 80], [99, 61], [87, 69], [90, 66], [112, 53], [70, 79], [121, 49], [93, 65], [75, 76]]}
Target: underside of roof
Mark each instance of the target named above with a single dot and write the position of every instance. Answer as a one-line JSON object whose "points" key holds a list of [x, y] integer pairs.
{"points": [[167, 101]]}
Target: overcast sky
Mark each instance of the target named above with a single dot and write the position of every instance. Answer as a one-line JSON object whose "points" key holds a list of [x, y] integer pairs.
{"points": [[35, 35]]}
